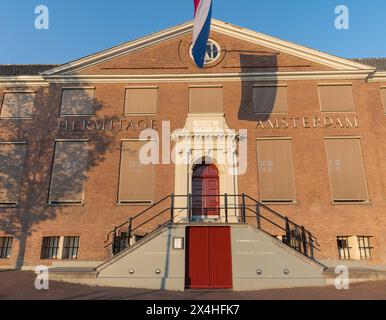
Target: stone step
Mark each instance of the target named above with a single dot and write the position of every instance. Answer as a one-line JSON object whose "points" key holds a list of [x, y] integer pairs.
{"points": [[76, 275], [359, 273]]}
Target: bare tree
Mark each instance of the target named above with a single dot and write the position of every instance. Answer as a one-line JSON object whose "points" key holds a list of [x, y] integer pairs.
{"points": [[40, 133]]}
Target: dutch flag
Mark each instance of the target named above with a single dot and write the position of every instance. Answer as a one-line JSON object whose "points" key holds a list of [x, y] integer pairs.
{"points": [[202, 21]]}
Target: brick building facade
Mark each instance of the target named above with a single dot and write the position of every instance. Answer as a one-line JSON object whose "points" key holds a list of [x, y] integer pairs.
{"points": [[314, 127]]}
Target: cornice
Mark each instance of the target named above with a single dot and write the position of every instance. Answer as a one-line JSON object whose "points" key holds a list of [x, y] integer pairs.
{"points": [[25, 81], [378, 77], [214, 77]]}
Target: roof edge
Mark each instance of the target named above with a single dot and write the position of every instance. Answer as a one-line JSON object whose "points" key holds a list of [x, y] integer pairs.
{"points": [[123, 48]]}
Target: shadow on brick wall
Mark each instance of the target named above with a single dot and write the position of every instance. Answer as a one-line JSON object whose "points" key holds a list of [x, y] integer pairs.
{"points": [[265, 99]]}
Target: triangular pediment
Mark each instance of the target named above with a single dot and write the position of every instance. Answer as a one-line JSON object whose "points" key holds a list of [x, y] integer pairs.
{"points": [[244, 50]]}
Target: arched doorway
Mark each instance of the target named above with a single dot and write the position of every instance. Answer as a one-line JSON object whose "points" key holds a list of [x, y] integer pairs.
{"points": [[205, 191]]}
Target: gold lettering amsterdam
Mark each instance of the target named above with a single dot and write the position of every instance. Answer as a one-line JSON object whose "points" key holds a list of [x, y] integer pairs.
{"points": [[273, 125], [308, 122], [328, 122], [317, 122], [260, 123], [339, 123], [284, 123]]}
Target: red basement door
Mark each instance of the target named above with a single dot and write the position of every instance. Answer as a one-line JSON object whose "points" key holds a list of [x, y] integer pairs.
{"points": [[208, 258]]}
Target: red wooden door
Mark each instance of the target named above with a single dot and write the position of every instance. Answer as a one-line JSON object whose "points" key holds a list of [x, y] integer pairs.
{"points": [[197, 254], [206, 190], [208, 258], [220, 257]]}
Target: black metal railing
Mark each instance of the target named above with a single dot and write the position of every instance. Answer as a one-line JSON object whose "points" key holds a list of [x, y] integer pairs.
{"points": [[216, 208]]}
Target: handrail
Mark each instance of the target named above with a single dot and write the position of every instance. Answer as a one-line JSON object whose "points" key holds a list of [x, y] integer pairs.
{"points": [[296, 236], [280, 227], [279, 215], [146, 210]]}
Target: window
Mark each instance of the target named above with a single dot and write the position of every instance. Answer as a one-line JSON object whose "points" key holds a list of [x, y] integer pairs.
{"points": [[139, 237], [213, 51], [141, 100], [5, 247], [336, 98], [60, 248], [121, 242], [354, 247], [294, 239], [344, 248], [383, 94], [69, 172], [77, 102], [346, 170], [17, 105], [50, 248], [364, 247], [12, 156], [206, 99], [275, 168], [270, 99], [136, 180], [70, 247]]}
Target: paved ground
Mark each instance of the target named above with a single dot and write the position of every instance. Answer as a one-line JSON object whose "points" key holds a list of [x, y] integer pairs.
{"points": [[20, 286]]}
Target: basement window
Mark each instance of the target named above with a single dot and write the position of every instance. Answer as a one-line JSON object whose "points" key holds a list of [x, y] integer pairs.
{"points": [[50, 248], [71, 248], [364, 247], [5, 247], [60, 248], [121, 242], [344, 248]]}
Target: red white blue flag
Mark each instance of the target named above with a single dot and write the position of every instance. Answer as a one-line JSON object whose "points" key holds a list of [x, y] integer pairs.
{"points": [[202, 21]]}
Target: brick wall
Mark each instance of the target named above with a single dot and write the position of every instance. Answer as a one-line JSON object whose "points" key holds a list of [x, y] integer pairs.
{"points": [[34, 219]]}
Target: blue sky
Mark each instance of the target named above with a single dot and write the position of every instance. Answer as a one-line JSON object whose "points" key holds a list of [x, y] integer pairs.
{"points": [[81, 27]]}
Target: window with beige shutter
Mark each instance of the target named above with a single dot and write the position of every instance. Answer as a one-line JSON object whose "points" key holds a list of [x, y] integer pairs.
{"points": [[136, 180], [77, 102], [69, 172], [17, 105], [141, 100], [383, 95], [206, 100], [346, 170], [270, 99], [12, 156], [336, 98], [275, 168]]}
